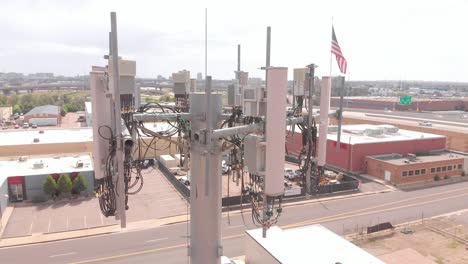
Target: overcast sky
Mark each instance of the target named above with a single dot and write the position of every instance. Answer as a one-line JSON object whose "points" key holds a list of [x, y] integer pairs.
{"points": [[409, 40]]}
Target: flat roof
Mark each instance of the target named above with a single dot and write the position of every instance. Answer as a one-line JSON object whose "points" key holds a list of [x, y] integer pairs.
{"points": [[63, 163], [59, 135], [27, 136], [362, 134], [314, 243], [397, 159]]}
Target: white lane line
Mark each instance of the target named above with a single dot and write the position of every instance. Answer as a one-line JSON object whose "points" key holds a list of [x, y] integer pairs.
{"points": [[156, 240], [61, 255], [48, 227], [235, 226]]}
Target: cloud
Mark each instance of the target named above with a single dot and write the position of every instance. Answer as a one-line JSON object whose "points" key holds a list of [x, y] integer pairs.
{"points": [[381, 40]]}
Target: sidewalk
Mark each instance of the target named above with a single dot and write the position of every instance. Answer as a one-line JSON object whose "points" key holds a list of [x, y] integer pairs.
{"points": [[141, 225]]}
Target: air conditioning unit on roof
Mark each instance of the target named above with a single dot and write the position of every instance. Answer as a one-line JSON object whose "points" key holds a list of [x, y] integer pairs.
{"points": [[38, 165], [23, 158]]}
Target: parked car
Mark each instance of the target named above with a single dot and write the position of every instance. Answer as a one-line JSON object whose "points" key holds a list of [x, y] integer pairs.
{"points": [[25, 125], [185, 180], [16, 126], [425, 123], [225, 168], [289, 174], [34, 126], [287, 184]]}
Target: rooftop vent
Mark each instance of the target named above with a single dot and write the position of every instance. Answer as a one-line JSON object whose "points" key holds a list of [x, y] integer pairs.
{"points": [[36, 140], [79, 164], [41, 131], [23, 158], [38, 165], [374, 132], [411, 157]]}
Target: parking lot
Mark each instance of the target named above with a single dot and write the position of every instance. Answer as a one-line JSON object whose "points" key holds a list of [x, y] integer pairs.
{"points": [[157, 199]]}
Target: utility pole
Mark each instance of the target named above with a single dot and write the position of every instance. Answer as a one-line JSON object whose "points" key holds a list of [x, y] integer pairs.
{"points": [[309, 123], [205, 182], [116, 124]]}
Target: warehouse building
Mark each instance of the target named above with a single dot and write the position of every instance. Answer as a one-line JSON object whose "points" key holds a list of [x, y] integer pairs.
{"points": [[360, 141], [403, 169], [22, 177], [45, 115]]}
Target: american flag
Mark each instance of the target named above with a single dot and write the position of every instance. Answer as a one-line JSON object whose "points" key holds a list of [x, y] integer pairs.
{"points": [[335, 49]]}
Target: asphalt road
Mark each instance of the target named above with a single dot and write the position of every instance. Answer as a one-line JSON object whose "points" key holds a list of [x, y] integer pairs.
{"points": [[430, 116], [167, 244]]}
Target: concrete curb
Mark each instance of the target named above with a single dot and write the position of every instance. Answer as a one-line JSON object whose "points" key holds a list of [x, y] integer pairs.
{"points": [[5, 218], [141, 225]]}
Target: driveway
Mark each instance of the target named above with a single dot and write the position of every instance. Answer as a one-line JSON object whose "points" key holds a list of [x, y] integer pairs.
{"points": [[157, 199]]}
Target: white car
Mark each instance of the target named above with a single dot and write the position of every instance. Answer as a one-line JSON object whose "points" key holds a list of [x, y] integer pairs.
{"points": [[225, 168], [425, 123], [185, 180], [289, 173], [226, 260]]}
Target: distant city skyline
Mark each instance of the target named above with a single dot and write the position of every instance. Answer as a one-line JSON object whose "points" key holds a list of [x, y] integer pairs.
{"points": [[397, 40]]}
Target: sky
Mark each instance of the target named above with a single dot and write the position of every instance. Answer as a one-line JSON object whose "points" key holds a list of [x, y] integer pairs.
{"points": [[381, 40]]}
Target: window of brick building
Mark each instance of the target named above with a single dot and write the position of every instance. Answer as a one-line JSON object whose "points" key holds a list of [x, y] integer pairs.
{"points": [[423, 171], [416, 172], [460, 166], [410, 173], [404, 173], [444, 168], [433, 170], [449, 168], [438, 169]]}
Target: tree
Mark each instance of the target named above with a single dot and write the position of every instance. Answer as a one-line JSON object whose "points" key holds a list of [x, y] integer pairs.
{"points": [[50, 186], [79, 184], [64, 183], [167, 98], [17, 109]]}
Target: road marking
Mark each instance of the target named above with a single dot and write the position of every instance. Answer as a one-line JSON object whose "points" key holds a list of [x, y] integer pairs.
{"points": [[392, 203], [318, 220], [48, 227], [156, 240], [235, 226], [67, 222], [85, 224], [352, 214], [61, 255]]}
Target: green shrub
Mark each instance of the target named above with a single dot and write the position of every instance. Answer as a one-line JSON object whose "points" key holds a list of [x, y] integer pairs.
{"points": [[50, 186], [437, 178], [64, 183], [79, 184], [446, 177]]}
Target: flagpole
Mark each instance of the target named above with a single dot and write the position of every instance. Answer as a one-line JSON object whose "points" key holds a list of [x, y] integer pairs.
{"points": [[331, 54], [331, 60]]}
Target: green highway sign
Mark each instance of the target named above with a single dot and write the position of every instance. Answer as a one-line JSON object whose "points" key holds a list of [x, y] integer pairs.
{"points": [[405, 100]]}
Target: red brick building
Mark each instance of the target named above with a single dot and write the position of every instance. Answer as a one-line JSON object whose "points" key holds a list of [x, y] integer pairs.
{"points": [[399, 169], [360, 141], [393, 103]]}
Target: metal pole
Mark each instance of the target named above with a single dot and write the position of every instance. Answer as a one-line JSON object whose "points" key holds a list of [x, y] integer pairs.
{"points": [[310, 117], [120, 199], [267, 64], [338, 136], [206, 42], [238, 61], [209, 128], [205, 200]]}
